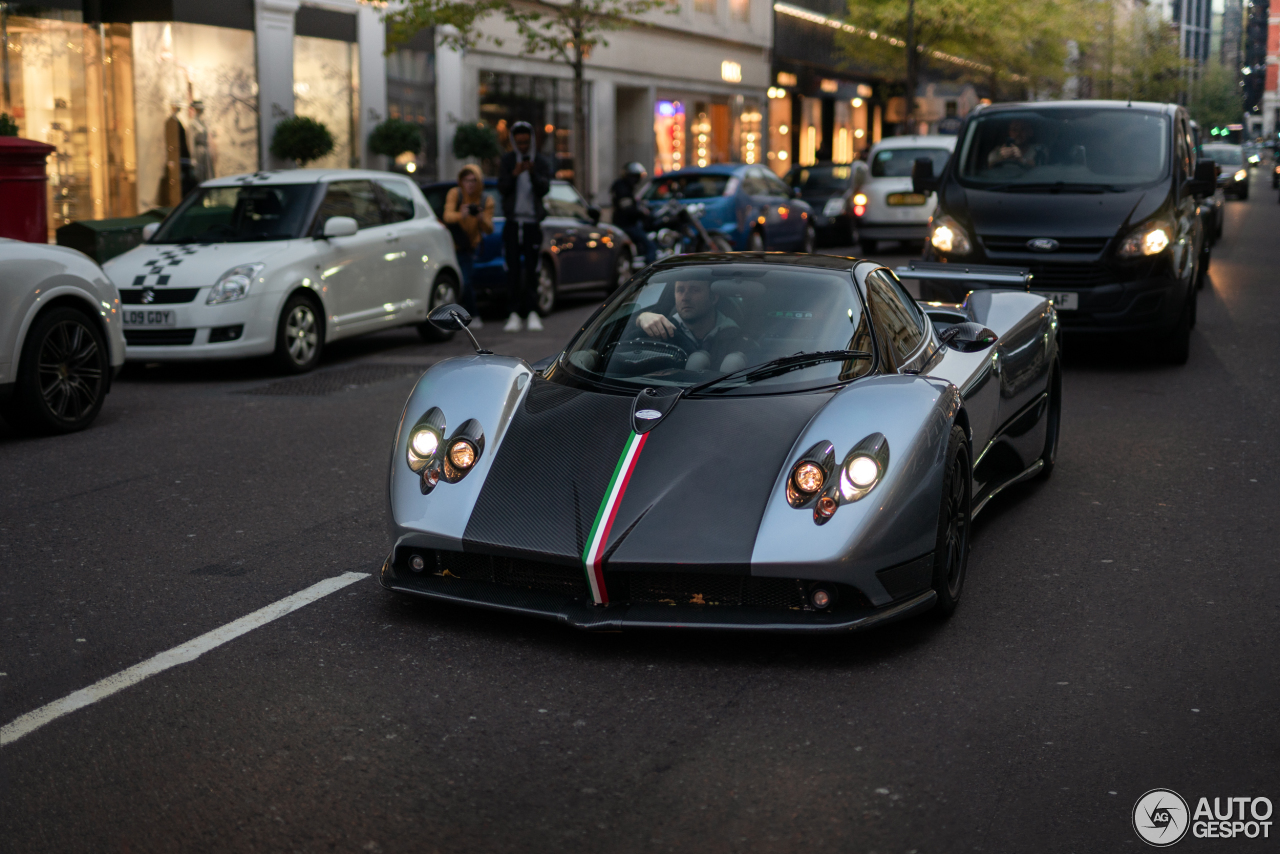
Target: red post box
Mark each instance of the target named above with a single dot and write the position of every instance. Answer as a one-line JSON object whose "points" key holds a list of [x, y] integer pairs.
{"points": [[24, 206]]}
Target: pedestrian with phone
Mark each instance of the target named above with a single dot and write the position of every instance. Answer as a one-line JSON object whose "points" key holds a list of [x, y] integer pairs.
{"points": [[524, 178], [468, 213]]}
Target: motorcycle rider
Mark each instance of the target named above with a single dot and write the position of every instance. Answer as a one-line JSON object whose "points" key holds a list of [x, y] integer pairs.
{"points": [[630, 212]]}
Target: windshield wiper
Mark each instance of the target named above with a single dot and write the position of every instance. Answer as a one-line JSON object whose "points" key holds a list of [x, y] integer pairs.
{"points": [[778, 366]]}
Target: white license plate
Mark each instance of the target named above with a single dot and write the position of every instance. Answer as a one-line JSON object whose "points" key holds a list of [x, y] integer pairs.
{"points": [[148, 317], [1062, 301]]}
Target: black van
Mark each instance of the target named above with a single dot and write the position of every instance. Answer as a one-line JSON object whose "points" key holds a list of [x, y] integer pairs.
{"points": [[1098, 199]]}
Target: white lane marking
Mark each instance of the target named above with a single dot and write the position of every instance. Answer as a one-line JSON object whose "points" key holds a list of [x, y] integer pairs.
{"points": [[181, 654]]}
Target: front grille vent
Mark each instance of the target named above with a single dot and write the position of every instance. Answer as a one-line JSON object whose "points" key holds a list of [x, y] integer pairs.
{"points": [[1067, 275], [1088, 245], [158, 337], [160, 296], [513, 572], [682, 588]]}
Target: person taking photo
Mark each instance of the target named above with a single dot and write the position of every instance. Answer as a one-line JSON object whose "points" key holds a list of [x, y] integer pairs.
{"points": [[524, 178], [468, 213]]}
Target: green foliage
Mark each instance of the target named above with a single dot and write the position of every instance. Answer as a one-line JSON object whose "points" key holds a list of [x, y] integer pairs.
{"points": [[1148, 64], [8, 127], [1216, 98], [301, 140], [394, 137], [478, 141]]}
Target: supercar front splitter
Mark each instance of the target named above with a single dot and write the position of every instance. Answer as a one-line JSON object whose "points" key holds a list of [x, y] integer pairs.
{"points": [[614, 618]]}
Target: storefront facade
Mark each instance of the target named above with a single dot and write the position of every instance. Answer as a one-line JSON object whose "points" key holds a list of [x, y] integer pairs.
{"points": [[144, 99], [688, 90]]}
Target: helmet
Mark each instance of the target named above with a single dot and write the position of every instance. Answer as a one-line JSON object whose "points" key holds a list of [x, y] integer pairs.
{"points": [[521, 127], [637, 170]]}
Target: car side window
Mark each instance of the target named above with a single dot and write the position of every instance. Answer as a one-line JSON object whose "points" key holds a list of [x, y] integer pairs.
{"points": [[776, 186], [895, 314], [753, 183], [563, 200], [355, 199], [397, 200]]}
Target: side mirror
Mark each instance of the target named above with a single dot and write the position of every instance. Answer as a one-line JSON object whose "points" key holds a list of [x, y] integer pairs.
{"points": [[593, 214], [922, 177], [340, 226], [968, 337], [1205, 180], [450, 317], [149, 230]]}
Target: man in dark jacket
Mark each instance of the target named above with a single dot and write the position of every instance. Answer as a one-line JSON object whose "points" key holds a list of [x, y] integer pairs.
{"points": [[524, 177], [630, 212]]}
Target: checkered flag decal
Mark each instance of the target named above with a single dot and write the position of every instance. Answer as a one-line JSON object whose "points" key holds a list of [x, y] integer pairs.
{"points": [[157, 268]]}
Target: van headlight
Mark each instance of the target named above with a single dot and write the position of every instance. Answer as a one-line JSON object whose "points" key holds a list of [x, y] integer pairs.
{"points": [[234, 284], [1151, 238], [1241, 175], [947, 235]]}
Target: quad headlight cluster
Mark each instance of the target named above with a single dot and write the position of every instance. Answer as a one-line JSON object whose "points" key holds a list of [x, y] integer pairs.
{"points": [[435, 458], [816, 482]]}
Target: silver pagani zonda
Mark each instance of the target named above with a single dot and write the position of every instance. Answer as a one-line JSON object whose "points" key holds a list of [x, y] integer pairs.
{"points": [[745, 441]]}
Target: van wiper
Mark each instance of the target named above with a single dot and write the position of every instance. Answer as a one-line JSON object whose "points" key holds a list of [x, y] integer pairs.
{"points": [[778, 366]]}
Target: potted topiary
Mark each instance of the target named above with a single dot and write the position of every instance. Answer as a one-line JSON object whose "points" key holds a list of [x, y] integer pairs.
{"points": [[394, 137], [301, 140], [8, 127], [475, 140]]}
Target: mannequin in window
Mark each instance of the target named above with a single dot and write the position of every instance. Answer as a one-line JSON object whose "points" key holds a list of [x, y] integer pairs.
{"points": [[201, 152]]}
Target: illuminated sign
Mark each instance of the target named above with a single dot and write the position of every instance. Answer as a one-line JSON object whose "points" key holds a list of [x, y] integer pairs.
{"points": [[730, 71]]}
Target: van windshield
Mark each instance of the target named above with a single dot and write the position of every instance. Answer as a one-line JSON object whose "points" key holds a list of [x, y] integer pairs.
{"points": [[1088, 150]]}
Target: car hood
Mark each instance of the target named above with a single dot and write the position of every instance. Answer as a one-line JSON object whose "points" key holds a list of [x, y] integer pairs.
{"points": [[187, 264], [1054, 214], [694, 495]]}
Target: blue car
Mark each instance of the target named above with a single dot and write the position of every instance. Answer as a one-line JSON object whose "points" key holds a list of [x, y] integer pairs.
{"points": [[579, 253], [750, 206]]}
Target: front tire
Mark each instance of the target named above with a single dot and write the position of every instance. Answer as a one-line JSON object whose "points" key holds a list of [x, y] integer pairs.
{"points": [[1053, 423], [443, 292], [62, 374], [951, 547], [1176, 347], [299, 335], [545, 300]]}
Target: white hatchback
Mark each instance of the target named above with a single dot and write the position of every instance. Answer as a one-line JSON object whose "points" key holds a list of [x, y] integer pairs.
{"points": [[885, 207], [278, 263]]}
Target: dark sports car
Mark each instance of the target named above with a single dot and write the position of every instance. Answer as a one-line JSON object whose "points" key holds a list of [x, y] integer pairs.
{"points": [[732, 441]]}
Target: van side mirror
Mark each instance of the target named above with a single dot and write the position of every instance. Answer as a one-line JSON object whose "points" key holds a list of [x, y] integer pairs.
{"points": [[922, 177], [1205, 180]]}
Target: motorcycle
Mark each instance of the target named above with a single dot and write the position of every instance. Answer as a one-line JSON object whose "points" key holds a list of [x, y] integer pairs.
{"points": [[676, 229]]}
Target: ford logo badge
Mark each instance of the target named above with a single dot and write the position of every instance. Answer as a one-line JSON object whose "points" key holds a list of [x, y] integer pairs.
{"points": [[1042, 244], [648, 414]]}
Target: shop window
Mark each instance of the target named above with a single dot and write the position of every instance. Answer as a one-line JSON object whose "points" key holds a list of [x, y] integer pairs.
{"points": [[780, 131], [544, 102], [196, 107], [810, 130], [669, 135], [326, 88], [750, 139], [411, 95], [740, 9]]}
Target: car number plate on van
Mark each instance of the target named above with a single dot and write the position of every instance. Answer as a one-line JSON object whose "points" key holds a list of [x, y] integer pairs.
{"points": [[906, 199], [148, 317], [1061, 300]]}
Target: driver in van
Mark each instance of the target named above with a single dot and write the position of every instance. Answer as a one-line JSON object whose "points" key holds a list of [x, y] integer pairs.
{"points": [[1020, 147], [699, 328]]}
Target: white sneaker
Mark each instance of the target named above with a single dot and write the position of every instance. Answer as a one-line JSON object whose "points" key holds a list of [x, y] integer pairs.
{"points": [[513, 323], [535, 322], [476, 322]]}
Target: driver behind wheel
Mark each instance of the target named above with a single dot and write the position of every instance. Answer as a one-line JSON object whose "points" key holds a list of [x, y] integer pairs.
{"points": [[699, 328]]}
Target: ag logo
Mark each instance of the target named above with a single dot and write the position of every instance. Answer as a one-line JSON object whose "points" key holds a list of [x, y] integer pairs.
{"points": [[1160, 817], [648, 414]]}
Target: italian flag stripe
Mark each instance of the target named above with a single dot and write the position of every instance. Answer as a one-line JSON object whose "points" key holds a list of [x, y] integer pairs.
{"points": [[593, 555]]}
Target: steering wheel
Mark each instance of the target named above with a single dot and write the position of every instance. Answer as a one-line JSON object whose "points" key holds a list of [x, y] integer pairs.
{"points": [[644, 355]]}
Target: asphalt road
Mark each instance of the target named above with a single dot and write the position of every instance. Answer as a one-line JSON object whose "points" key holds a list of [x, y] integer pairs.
{"points": [[1118, 633]]}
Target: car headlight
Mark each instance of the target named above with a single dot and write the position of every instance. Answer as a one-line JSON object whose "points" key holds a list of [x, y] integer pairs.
{"points": [[422, 454], [863, 468], [1241, 175], [1149, 239], [947, 235], [808, 478], [463, 450], [834, 206], [234, 284]]}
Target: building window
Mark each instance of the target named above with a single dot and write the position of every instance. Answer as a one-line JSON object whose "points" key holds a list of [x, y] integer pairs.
{"points": [[196, 105], [706, 7], [326, 88], [740, 9], [544, 102]]}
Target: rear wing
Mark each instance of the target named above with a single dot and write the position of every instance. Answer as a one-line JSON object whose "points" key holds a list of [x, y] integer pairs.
{"points": [[990, 275]]}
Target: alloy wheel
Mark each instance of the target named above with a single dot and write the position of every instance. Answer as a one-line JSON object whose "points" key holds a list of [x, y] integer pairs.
{"points": [[957, 524], [70, 368], [444, 293], [546, 288], [301, 334]]}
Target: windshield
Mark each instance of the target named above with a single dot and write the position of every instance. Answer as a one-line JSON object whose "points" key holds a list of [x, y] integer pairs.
{"points": [[821, 180], [697, 186], [1223, 155], [688, 326], [1061, 148], [239, 214], [563, 200], [897, 162]]}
